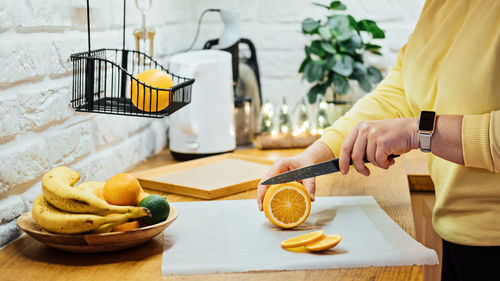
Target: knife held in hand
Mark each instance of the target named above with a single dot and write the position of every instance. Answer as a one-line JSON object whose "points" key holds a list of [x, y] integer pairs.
{"points": [[330, 166]]}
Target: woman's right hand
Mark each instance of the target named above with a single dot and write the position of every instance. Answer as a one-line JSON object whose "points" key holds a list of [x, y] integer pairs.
{"points": [[317, 152]]}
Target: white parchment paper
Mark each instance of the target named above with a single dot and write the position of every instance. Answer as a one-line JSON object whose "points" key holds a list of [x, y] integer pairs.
{"points": [[233, 236]]}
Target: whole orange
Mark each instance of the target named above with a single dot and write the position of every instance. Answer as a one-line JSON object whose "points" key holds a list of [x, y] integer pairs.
{"points": [[147, 99], [122, 189]]}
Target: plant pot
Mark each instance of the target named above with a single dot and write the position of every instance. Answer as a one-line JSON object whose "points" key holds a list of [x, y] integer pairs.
{"points": [[337, 109]]}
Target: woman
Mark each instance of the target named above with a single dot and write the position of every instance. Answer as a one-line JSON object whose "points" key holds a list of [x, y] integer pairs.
{"points": [[450, 66]]}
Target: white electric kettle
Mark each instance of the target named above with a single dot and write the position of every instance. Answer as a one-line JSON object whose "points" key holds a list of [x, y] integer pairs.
{"points": [[205, 126]]}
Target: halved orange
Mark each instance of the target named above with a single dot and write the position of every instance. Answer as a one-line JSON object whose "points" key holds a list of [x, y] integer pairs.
{"points": [[287, 205], [304, 239], [327, 242]]}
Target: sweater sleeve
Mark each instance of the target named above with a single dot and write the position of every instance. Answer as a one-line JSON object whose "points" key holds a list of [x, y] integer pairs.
{"points": [[481, 141], [387, 101]]}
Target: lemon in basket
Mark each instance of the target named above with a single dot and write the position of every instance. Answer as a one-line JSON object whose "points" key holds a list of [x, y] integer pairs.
{"points": [[146, 98]]}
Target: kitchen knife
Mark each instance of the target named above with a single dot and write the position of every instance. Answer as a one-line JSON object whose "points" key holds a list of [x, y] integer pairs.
{"points": [[330, 166]]}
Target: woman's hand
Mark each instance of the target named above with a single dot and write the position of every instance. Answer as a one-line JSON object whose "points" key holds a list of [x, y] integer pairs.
{"points": [[317, 152], [377, 140]]}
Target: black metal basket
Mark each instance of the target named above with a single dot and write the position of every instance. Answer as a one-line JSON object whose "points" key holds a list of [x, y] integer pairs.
{"points": [[103, 81]]}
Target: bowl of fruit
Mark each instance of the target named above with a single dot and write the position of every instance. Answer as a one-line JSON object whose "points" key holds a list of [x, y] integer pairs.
{"points": [[95, 216]]}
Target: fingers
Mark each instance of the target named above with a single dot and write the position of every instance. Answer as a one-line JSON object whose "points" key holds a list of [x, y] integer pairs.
{"points": [[261, 191], [310, 185], [358, 155], [381, 156], [280, 166], [371, 149], [345, 151]]}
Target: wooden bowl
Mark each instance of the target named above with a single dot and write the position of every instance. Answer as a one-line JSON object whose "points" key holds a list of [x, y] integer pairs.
{"points": [[94, 243]]}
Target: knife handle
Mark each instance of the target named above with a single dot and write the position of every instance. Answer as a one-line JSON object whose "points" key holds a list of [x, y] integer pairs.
{"points": [[388, 157]]}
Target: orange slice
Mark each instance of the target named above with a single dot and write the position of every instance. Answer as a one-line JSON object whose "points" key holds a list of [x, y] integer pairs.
{"points": [[287, 205], [302, 240], [327, 242]]}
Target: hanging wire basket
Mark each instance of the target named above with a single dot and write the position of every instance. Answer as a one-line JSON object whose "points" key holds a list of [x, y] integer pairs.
{"points": [[104, 82]]}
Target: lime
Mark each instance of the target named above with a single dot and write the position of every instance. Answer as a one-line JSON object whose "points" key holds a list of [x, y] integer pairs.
{"points": [[158, 206]]}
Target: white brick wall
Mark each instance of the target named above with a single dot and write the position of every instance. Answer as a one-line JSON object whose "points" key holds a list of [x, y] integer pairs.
{"points": [[39, 129]]}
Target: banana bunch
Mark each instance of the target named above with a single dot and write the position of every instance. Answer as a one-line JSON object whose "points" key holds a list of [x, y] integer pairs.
{"points": [[62, 208]]}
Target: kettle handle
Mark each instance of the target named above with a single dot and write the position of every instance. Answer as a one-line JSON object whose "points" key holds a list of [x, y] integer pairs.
{"points": [[187, 120]]}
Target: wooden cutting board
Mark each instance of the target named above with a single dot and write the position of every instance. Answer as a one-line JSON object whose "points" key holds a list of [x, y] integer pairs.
{"points": [[207, 178]]}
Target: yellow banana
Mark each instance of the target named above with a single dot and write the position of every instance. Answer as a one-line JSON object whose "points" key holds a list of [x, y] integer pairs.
{"points": [[105, 228], [54, 220], [58, 191], [90, 186]]}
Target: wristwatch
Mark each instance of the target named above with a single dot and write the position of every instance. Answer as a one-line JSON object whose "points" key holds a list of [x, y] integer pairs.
{"points": [[426, 124]]}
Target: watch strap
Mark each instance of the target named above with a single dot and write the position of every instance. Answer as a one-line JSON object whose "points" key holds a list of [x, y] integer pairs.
{"points": [[425, 141]]}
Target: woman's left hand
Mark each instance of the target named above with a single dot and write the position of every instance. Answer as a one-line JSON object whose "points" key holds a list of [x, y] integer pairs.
{"points": [[377, 140]]}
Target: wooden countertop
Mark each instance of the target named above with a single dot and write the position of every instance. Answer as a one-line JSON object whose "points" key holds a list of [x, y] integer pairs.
{"points": [[30, 260], [418, 173]]}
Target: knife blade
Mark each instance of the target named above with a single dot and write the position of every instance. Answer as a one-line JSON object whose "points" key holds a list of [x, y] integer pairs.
{"points": [[327, 167]]}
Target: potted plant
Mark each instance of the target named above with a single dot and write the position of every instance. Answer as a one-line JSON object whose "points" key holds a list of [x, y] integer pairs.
{"points": [[335, 53]]}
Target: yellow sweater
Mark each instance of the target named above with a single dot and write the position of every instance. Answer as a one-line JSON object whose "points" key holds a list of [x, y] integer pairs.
{"points": [[451, 65]]}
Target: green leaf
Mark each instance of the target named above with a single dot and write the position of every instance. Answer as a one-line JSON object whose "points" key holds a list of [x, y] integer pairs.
{"points": [[353, 22], [370, 46], [358, 70], [325, 33], [316, 48], [374, 74], [304, 63], [309, 26], [307, 49], [329, 80], [328, 47], [337, 5], [374, 49], [313, 71], [371, 27], [340, 84], [364, 83], [340, 27], [329, 64], [356, 57], [321, 5], [352, 43], [343, 64], [316, 90]]}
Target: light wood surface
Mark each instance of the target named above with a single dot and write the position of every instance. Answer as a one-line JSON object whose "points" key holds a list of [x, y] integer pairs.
{"points": [[207, 178], [35, 261], [417, 171], [423, 204]]}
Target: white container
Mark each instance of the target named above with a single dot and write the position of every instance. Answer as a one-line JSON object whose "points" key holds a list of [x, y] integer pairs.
{"points": [[206, 125]]}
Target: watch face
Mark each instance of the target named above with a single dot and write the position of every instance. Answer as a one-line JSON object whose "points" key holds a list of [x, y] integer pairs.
{"points": [[426, 121]]}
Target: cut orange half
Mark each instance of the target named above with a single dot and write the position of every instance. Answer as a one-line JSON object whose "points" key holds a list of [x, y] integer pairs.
{"points": [[287, 205], [302, 240], [327, 242]]}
